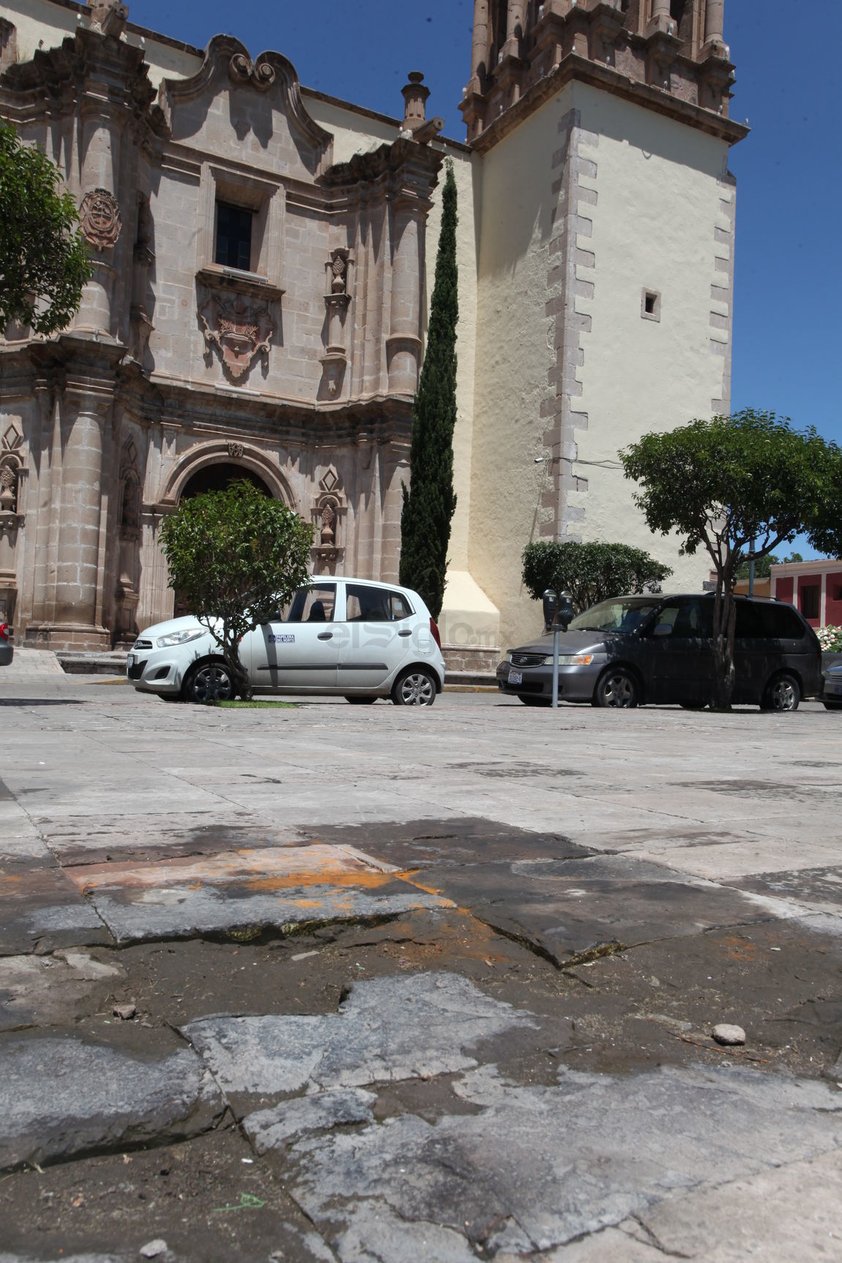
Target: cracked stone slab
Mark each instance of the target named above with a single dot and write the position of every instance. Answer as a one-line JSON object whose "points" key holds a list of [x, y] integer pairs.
{"points": [[566, 907], [98, 1098], [178, 834], [52, 990], [42, 907], [456, 842], [536, 1168], [386, 1029], [256, 888], [791, 1212]]}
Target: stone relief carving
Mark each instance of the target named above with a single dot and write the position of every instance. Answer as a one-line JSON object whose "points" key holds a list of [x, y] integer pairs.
{"points": [[8, 485], [235, 450], [327, 535], [99, 219], [239, 329], [11, 468], [328, 509], [261, 74]]}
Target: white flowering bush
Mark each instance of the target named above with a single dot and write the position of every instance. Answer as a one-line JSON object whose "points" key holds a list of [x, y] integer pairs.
{"points": [[830, 638]]}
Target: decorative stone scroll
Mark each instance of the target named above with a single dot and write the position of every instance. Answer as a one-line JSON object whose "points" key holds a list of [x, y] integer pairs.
{"points": [[240, 329], [99, 219], [260, 74]]}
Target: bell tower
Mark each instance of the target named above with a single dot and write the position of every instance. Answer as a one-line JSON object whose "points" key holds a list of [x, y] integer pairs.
{"points": [[676, 46], [600, 135]]}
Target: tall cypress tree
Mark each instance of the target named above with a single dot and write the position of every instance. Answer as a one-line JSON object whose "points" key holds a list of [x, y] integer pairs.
{"points": [[429, 504]]}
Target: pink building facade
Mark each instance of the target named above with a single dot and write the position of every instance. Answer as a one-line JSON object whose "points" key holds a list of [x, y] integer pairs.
{"points": [[813, 587]]}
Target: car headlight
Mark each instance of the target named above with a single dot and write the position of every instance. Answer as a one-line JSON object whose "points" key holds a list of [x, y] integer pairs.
{"points": [[179, 638], [571, 659]]}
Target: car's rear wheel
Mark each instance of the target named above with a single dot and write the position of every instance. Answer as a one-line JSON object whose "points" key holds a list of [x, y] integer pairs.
{"points": [[617, 688], [782, 693], [529, 699], [208, 682], [415, 687], [360, 701]]}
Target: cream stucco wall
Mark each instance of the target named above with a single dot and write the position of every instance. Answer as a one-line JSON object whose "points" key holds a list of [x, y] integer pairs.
{"points": [[655, 223], [591, 200]]}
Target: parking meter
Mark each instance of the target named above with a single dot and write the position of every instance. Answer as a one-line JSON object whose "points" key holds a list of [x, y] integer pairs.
{"points": [[558, 614]]}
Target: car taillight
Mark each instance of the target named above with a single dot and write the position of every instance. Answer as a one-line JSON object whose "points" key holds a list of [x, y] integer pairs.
{"points": [[4, 631], [434, 631]]}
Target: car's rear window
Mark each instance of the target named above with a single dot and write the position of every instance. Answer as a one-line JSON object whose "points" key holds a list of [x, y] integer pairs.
{"points": [[762, 621]]}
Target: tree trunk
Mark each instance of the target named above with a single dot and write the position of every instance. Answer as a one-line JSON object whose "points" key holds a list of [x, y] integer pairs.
{"points": [[724, 624]]}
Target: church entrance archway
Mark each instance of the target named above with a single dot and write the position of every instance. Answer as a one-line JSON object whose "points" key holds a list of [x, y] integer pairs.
{"points": [[217, 477]]}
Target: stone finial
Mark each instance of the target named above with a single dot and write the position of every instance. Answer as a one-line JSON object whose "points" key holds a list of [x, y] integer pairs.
{"points": [[109, 15], [416, 125], [415, 98]]}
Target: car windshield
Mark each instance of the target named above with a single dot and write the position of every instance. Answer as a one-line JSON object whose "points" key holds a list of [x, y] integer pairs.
{"points": [[621, 615]]}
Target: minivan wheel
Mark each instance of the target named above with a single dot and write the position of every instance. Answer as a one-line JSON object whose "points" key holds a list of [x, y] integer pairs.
{"points": [[783, 692], [415, 687], [617, 688], [208, 682]]}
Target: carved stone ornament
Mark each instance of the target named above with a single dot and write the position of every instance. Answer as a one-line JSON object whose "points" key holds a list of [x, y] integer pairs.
{"points": [[243, 70], [235, 450], [99, 219], [109, 15], [239, 329]]}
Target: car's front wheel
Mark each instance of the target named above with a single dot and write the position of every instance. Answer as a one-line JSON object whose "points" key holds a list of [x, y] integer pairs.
{"points": [[782, 693], [617, 688], [208, 682], [415, 687]]}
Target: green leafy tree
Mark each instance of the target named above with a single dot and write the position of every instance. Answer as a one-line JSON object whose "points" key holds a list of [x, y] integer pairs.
{"points": [[738, 487], [589, 572], [430, 502], [43, 260], [235, 556]]}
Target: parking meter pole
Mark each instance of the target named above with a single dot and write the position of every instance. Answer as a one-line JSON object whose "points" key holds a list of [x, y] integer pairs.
{"points": [[556, 635]]}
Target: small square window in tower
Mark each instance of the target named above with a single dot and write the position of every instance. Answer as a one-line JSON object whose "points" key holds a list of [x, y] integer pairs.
{"points": [[233, 236]]}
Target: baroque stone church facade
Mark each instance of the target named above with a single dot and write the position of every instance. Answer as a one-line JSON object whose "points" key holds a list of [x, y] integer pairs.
{"points": [[262, 259]]}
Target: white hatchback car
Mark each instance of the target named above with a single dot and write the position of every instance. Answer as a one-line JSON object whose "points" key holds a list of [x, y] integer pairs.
{"points": [[352, 637]]}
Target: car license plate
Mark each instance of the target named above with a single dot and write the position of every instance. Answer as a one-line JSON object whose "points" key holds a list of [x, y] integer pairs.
{"points": [[515, 677], [129, 661]]}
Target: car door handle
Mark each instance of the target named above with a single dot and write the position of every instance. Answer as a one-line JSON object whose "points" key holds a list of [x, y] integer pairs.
{"points": [[325, 636], [404, 633]]}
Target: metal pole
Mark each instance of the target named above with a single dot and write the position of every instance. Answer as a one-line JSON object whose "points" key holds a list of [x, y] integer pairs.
{"points": [[556, 635]]}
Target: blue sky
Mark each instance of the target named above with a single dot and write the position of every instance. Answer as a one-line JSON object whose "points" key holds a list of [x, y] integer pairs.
{"points": [[787, 354]]}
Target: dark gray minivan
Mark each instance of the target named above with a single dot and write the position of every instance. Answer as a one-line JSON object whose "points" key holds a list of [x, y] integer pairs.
{"points": [[636, 649]]}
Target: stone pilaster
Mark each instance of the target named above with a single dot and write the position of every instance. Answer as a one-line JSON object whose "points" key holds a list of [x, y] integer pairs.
{"points": [[68, 607], [403, 346]]}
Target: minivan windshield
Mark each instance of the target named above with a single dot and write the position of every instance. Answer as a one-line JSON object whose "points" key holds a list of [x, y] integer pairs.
{"points": [[622, 614]]}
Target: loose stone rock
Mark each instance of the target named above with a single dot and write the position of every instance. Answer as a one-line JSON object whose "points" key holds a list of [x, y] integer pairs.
{"points": [[125, 1012], [729, 1035], [153, 1249]]}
